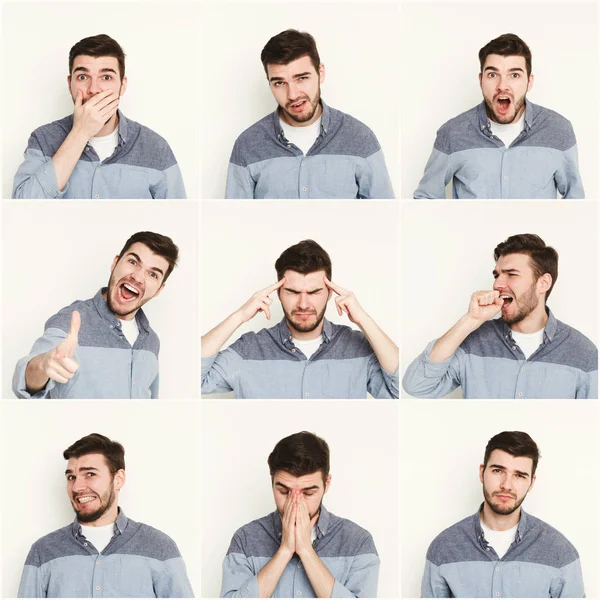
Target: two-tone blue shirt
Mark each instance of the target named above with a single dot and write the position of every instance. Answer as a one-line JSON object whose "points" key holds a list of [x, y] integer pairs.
{"points": [[540, 563], [540, 161], [109, 367], [142, 166], [267, 364], [139, 562], [490, 364], [346, 161], [347, 550]]}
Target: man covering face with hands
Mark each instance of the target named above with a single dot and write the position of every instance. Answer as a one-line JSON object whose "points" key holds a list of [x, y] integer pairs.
{"points": [[97, 152], [301, 549], [305, 355], [525, 353], [104, 347]]}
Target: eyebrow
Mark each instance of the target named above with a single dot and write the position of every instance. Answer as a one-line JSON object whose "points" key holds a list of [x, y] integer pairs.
{"points": [[69, 471], [142, 262], [504, 469], [86, 70], [514, 69], [285, 487], [495, 272], [293, 76], [287, 289]]}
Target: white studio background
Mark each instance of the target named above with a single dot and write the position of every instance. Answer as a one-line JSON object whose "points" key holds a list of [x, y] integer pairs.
{"points": [[241, 241], [454, 243], [440, 66], [56, 252], [237, 439], [446, 442], [162, 65], [162, 458], [357, 43]]}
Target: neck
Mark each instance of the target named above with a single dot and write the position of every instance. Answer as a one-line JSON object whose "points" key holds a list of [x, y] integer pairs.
{"points": [[109, 126], [497, 522], [533, 322], [306, 335], [110, 516]]}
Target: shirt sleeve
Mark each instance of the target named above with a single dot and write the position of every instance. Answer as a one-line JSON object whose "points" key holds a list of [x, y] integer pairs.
{"points": [[373, 180], [425, 378], [240, 184], [362, 578], [568, 179], [51, 338], [32, 584], [438, 173], [174, 583], [171, 185], [220, 372], [381, 383], [239, 579], [36, 177], [433, 584], [570, 582], [154, 388]]}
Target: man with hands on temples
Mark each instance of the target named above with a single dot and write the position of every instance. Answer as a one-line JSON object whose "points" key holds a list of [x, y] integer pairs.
{"points": [[305, 355]]}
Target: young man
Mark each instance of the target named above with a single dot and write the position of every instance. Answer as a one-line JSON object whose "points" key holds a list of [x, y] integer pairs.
{"points": [[104, 347], [102, 554], [527, 353], [300, 549], [507, 147], [96, 152], [305, 149], [304, 356], [501, 551]]}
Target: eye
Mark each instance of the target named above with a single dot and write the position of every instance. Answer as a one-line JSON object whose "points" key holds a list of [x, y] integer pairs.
{"points": [[81, 77], [303, 77], [107, 77], [70, 477], [90, 474], [491, 74], [132, 261], [153, 274], [309, 493], [496, 471], [278, 83], [516, 75]]}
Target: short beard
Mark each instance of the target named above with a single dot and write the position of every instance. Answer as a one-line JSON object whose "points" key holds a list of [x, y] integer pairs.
{"points": [[489, 109], [305, 327], [314, 102], [105, 504], [109, 303], [528, 304], [502, 511]]}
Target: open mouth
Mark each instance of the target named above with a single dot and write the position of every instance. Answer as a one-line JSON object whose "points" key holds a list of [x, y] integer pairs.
{"points": [[507, 300], [129, 292], [503, 103], [298, 106]]}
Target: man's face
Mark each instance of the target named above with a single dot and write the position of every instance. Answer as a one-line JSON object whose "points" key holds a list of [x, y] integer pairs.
{"points": [[93, 75], [506, 481], [304, 300], [297, 89], [312, 487], [135, 278], [91, 488], [505, 84], [517, 285]]}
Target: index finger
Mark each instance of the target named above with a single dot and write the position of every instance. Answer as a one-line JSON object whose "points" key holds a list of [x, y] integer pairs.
{"points": [[336, 288], [275, 286], [100, 96]]}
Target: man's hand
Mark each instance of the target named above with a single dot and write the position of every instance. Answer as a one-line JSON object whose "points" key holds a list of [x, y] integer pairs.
{"points": [[346, 302], [288, 523], [259, 302], [304, 525], [485, 305], [58, 364], [90, 117]]}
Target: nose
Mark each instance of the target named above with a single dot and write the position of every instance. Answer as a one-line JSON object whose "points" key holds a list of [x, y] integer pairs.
{"points": [[293, 90], [79, 485], [94, 87], [303, 302], [502, 83], [506, 482], [500, 283]]}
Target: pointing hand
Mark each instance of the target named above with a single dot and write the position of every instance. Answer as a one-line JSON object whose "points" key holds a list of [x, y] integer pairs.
{"points": [[58, 363]]}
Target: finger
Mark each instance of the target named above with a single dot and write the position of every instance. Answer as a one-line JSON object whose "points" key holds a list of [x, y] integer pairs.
{"points": [[52, 374], [275, 286], [336, 288], [499, 302], [75, 325], [109, 110], [339, 308], [99, 97], [266, 310], [79, 98], [68, 364], [61, 370], [267, 300]]}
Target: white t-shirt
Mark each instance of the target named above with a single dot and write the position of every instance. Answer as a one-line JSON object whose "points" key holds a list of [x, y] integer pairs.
{"points": [[130, 330], [528, 342], [500, 541], [105, 145], [303, 137], [308, 347], [313, 535], [508, 132], [99, 536]]}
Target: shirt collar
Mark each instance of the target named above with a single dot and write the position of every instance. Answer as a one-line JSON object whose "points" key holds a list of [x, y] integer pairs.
{"points": [[549, 329], [103, 310], [484, 121], [325, 121], [123, 128], [119, 525], [285, 334], [521, 527]]}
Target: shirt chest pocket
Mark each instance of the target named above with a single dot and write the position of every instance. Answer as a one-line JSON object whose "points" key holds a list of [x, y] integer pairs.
{"points": [[334, 176]]}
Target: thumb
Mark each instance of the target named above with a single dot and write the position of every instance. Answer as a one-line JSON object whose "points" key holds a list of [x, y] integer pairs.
{"points": [[70, 344]]}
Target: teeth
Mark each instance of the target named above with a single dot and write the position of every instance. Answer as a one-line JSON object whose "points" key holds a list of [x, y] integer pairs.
{"points": [[505, 297], [85, 499], [131, 288]]}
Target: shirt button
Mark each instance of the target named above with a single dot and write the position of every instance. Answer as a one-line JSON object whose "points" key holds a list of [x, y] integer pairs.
{"points": [[514, 347], [520, 393], [97, 587], [293, 349], [299, 565], [303, 189], [497, 568], [97, 196], [289, 145], [306, 394], [97, 562], [523, 368], [487, 549], [302, 163], [497, 593], [97, 169], [505, 178], [85, 544]]}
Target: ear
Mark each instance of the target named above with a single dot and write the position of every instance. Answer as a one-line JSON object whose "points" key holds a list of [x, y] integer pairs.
{"points": [[532, 482], [481, 470], [123, 86], [544, 283], [321, 73], [69, 82], [119, 480], [480, 79], [530, 82], [114, 263], [327, 482]]}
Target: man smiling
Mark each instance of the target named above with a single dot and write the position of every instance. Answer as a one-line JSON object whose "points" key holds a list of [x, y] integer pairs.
{"points": [[527, 353], [104, 347], [305, 149], [501, 551], [103, 554], [96, 152], [274, 363], [507, 147], [300, 549]]}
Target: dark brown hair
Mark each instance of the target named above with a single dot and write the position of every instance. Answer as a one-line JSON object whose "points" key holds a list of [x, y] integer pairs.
{"points": [[159, 244], [515, 443], [98, 45], [95, 443], [543, 259], [300, 454], [304, 257], [288, 46], [508, 44]]}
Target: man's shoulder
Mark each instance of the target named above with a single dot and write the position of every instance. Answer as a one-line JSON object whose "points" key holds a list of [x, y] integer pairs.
{"points": [[549, 129], [150, 542], [50, 136], [550, 118], [550, 545], [486, 341], [347, 343], [62, 319], [347, 538], [146, 148], [460, 133], [255, 538], [257, 143], [261, 345], [453, 544], [53, 545], [358, 138], [579, 350]]}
